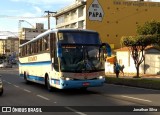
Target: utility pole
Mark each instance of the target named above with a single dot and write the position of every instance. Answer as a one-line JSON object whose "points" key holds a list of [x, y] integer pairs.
{"points": [[48, 14]]}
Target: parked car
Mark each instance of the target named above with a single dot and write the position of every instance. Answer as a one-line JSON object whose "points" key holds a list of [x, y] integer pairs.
{"points": [[2, 64], [5, 65], [8, 65], [1, 86]]}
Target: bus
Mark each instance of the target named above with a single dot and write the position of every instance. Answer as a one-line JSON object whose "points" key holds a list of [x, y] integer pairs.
{"points": [[64, 59]]}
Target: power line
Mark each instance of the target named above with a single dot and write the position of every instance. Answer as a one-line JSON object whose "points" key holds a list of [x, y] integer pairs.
{"points": [[15, 17], [48, 15]]}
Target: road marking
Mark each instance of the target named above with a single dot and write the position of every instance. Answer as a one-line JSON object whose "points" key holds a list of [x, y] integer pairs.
{"points": [[9, 83], [16, 86], [134, 87], [43, 97], [27, 90], [136, 98], [71, 109]]}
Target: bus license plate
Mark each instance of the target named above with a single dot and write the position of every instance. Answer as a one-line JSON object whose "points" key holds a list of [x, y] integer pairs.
{"points": [[85, 84]]}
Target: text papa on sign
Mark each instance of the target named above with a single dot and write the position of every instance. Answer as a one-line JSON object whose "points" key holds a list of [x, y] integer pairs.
{"points": [[95, 14]]}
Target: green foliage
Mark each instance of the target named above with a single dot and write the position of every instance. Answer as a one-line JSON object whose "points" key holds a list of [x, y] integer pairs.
{"points": [[140, 40], [149, 28]]}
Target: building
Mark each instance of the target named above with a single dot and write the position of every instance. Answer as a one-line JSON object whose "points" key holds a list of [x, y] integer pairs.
{"points": [[9, 46], [111, 18], [2, 46], [73, 16], [30, 33]]}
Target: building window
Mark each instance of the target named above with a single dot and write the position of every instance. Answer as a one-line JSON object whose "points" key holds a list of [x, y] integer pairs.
{"points": [[67, 16], [60, 20], [81, 24], [80, 11], [74, 14], [73, 25]]}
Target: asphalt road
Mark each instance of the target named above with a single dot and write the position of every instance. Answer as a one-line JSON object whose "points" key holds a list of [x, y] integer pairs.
{"points": [[18, 93]]}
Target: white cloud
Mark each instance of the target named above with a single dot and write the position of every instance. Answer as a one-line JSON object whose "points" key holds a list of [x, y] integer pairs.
{"points": [[38, 10], [28, 14], [45, 1]]}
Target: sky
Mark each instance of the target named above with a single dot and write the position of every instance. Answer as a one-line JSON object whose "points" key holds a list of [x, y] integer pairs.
{"points": [[11, 11]]}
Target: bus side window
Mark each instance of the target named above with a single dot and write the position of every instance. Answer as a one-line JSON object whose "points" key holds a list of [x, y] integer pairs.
{"points": [[23, 51], [26, 50], [20, 52], [46, 43], [39, 45]]}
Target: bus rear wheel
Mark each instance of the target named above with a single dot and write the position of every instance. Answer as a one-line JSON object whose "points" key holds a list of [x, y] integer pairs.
{"points": [[47, 84], [25, 78]]}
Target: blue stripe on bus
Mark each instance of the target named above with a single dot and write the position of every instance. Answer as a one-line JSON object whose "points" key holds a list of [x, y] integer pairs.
{"points": [[32, 77], [37, 78], [35, 63]]}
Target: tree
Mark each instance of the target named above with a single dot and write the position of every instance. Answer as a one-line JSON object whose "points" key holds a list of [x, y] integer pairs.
{"points": [[137, 45], [150, 28], [148, 34]]}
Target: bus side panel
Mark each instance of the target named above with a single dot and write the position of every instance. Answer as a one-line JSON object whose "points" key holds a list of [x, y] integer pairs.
{"points": [[35, 67]]}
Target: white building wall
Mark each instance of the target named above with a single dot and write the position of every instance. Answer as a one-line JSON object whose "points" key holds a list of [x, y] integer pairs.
{"points": [[70, 17], [125, 58]]}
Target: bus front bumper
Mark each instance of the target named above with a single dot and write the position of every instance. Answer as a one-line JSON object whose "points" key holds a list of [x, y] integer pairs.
{"points": [[68, 84]]}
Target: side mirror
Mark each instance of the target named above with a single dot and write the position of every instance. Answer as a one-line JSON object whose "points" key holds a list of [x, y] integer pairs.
{"points": [[59, 50], [107, 48]]}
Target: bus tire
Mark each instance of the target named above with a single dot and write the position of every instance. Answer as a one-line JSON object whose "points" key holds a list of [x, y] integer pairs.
{"points": [[1, 92], [47, 84], [83, 88], [25, 78]]}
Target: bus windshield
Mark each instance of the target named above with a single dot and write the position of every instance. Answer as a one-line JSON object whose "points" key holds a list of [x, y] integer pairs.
{"points": [[81, 58], [78, 38]]}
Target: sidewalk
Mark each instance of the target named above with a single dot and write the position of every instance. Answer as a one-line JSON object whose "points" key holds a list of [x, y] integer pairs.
{"points": [[130, 75]]}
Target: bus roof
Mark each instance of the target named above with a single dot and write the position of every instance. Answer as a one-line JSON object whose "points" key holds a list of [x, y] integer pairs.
{"points": [[56, 30]]}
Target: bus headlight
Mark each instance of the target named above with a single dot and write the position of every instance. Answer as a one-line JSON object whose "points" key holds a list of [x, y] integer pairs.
{"points": [[67, 79], [100, 77]]}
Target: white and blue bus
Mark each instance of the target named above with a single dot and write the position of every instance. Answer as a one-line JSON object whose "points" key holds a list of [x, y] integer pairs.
{"points": [[63, 58]]}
